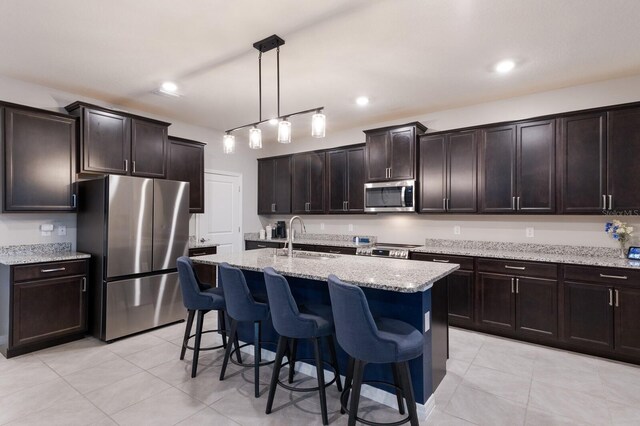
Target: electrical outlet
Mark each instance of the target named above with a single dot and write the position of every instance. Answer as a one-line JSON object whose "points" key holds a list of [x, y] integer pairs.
{"points": [[46, 229], [322, 226], [529, 232], [427, 321], [351, 227], [456, 230], [62, 230]]}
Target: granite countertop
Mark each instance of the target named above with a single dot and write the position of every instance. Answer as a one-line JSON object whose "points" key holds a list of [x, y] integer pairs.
{"points": [[38, 253], [381, 273], [576, 255], [198, 244]]}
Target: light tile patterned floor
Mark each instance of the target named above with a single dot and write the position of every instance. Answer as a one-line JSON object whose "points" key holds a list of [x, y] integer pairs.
{"points": [[140, 381]]}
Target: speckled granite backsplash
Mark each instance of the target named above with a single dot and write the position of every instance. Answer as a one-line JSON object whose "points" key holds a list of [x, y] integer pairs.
{"points": [[524, 247], [34, 249], [317, 237]]}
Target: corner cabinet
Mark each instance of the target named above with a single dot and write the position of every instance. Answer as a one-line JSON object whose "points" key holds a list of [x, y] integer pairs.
{"points": [[447, 172], [39, 166], [623, 152], [117, 143], [186, 163], [274, 185], [391, 152], [345, 180], [307, 183], [517, 168]]}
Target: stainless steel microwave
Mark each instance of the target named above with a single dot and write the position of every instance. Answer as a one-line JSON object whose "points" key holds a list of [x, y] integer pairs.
{"points": [[398, 196]]}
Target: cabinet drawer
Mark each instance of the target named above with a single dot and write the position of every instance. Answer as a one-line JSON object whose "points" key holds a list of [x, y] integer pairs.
{"points": [[529, 269], [614, 276], [49, 270], [252, 245], [202, 251], [466, 263], [339, 250]]}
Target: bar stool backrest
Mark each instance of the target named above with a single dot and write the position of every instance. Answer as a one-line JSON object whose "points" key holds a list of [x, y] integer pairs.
{"points": [[240, 303], [192, 297]]}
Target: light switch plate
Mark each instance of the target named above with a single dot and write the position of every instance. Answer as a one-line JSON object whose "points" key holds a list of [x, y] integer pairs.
{"points": [[456, 230], [529, 232], [427, 321]]}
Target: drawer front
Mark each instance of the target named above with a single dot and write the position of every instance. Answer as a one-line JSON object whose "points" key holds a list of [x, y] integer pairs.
{"points": [[510, 267], [466, 263], [49, 270], [202, 251], [305, 247], [593, 274], [253, 245], [339, 250]]}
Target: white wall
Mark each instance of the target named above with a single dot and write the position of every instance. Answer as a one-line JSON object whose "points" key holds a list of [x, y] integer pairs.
{"points": [[413, 228], [24, 228]]}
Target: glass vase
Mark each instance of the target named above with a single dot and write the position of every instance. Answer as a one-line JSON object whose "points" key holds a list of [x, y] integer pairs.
{"points": [[623, 251]]}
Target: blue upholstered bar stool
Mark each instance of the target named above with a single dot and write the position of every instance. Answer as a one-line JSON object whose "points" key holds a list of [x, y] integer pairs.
{"points": [[369, 341], [197, 298], [293, 323], [241, 307]]}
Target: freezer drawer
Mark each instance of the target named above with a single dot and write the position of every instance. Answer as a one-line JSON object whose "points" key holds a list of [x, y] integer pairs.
{"points": [[170, 222], [140, 304]]}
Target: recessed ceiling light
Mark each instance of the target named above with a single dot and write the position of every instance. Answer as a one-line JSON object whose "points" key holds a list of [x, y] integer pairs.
{"points": [[362, 100], [505, 66], [169, 87], [273, 121]]}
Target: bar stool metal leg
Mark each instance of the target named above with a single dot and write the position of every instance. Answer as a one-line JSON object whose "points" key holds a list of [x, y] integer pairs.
{"points": [[292, 360], [227, 353], [187, 333], [196, 346], [358, 373], [283, 342], [334, 361], [407, 387], [257, 331], [347, 382], [320, 373], [223, 327], [398, 383]]}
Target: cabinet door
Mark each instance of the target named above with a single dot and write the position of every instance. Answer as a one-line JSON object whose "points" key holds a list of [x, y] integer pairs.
{"points": [[588, 315], [106, 142], [39, 167], [337, 181], [496, 301], [627, 326], [401, 153], [299, 183], [622, 159], [498, 170], [205, 273], [537, 307], [48, 308], [462, 149], [460, 297], [536, 167], [148, 149], [433, 173], [315, 196], [377, 159], [266, 186], [355, 180], [582, 163], [282, 185], [186, 163]]}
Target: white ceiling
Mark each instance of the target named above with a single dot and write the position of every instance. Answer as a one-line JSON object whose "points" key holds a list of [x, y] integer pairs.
{"points": [[409, 56]]}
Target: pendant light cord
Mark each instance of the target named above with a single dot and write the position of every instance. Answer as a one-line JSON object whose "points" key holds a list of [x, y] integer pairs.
{"points": [[278, 76], [260, 85]]}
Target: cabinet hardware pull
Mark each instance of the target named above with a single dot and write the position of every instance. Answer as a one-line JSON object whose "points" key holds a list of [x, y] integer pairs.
{"points": [[126, 165], [84, 284], [74, 201], [202, 253], [133, 166], [346, 203], [517, 285], [513, 203], [610, 202], [444, 204], [604, 202], [448, 204], [617, 298], [334, 251], [517, 203], [390, 172], [261, 246], [519, 268], [617, 277], [440, 260], [273, 207], [512, 286], [610, 297], [44, 271]]}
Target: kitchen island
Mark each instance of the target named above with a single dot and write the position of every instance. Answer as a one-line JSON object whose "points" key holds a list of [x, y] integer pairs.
{"points": [[402, 289]]}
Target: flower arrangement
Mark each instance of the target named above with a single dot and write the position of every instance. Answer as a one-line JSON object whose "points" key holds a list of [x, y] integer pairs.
{"points": [[621, 232]]}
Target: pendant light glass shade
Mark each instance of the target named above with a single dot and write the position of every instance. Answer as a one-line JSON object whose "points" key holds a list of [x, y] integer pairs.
{"points": [[255, 138], [318, 125], [284, 131], [229, 144]]}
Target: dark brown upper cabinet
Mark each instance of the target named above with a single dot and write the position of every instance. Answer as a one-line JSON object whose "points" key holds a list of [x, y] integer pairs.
{"points": [[39, 166], [390, 153], [307, 183], [447, 171], [274, 185], [517, 168], [345, 180], [186, 163], [112, 142], [582, 153], [623, 152]]}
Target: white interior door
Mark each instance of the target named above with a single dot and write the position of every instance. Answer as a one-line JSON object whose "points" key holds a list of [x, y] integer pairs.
{"points": [[221, 222]]}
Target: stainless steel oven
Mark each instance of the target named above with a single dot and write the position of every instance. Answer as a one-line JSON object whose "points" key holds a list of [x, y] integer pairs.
{"points": [[398, 196]]}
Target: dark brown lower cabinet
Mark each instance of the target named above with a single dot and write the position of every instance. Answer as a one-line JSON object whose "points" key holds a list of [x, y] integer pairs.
{"points": [[460, 298], [206, 273], [537, 307], [588, 315], [626, 321], [48, 305], [496, 295]]}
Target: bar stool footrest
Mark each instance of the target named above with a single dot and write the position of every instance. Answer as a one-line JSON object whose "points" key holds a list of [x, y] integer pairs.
{"points": [[210, 348], [315, 388], [344, 399], [241, 364]]}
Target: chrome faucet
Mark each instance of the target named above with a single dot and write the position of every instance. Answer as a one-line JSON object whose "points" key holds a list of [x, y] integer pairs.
{"points": [[303, 230]]}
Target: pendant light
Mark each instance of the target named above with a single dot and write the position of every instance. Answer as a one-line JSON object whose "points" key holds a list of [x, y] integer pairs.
{"points": [[318, 120], [229, 143], [284, 131]]}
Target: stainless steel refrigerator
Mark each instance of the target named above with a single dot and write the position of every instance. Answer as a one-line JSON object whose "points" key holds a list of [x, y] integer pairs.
{"points": [[135, 229]]}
